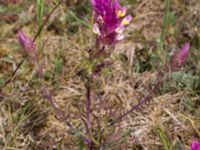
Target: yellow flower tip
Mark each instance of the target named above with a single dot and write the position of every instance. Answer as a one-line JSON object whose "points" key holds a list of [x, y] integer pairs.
{"points": [[121, 13], [126, 20]]}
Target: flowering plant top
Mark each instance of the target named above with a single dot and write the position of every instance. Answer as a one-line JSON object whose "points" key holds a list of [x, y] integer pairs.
{"points": [[110, 21]]}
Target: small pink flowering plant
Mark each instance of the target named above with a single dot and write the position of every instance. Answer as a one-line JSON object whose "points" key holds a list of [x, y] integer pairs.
{"points": [[110, 21]]}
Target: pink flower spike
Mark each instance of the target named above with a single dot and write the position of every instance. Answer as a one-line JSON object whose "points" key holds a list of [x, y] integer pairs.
{"points": [[27, 44], [110, 19], [179, 57], [184, 53], [195, 145]]}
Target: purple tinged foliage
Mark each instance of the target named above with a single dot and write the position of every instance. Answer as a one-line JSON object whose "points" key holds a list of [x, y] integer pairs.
{"points": [[28, 45], [179, 57], [110, 21], [195, 145]]}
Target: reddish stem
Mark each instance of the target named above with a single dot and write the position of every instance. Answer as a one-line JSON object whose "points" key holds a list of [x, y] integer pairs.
{"points": [[13, 74], [143, 101], [59, 113], [88, 113], [45, 21]]}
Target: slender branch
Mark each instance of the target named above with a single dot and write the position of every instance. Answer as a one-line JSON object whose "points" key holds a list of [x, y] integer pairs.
{"points": [[144, 100], [45, 21], [88, 102], [134, 107], [13, 74], [59, 113]]}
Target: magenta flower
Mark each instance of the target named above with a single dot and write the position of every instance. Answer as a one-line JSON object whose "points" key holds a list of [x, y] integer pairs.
{"points": [[195, 145], [27, 44], [179, 57], [110, 21]]}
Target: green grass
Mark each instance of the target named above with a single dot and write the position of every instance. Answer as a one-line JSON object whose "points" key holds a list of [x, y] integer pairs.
{"points": [[40, 12]]}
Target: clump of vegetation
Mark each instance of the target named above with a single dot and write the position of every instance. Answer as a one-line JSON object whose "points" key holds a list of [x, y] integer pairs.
{"points": [[75, 89]]}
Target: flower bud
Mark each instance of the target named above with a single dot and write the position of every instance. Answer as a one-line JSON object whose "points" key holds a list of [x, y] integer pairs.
{"points": [[179, 57], [27, 44]]}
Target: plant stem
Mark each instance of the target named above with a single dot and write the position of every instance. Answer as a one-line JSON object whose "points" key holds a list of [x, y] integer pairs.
{"points": [[144, 100], [46, 95], [45, 21], [88, 112], [59, 113], [13, 74]]}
